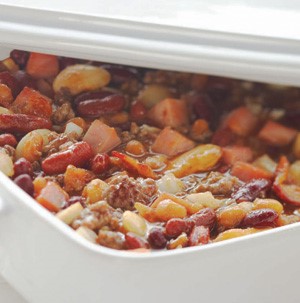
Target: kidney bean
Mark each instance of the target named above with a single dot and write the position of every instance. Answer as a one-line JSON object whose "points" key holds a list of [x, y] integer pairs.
{"points": [[20, 123], [138, 111], [20, 57], [120, 74], [91, 96], [25, 182], [223, 137], [205, 217], [199, 235], [260, 218], [22, 166], [251, 190], [7, 79], [203, 107], [25, 79], [8, 139], [97, 107], [133, 241], [77, 154], [156, 238], [176, 226], [100, 163]]}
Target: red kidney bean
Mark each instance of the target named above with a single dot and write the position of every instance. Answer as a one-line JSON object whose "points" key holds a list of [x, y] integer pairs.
{"points": [[25, 79], [22, 166], [175, 227], [77, 154], [120, 74], [8, 139], [25, 182], [20, 123], [97, 107], [251, 190], [156, 238], [223, 137], [205, 217], [91, 96], [20, 57], [264, 217], [7, 79], [100, 163], [199, 235], [138, 111], [134, 242]]}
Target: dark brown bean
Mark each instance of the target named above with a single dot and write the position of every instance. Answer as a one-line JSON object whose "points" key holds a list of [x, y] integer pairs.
{"points": [[25, 182], [203, 107], [7, 79], [264, 217], [120, 74], [223, 137], [176, 226], [156, 238], [25, 79], [20, 57], [97, 107], [91, 96], [8, 139], [100, 163], [205, 217], [251, 190], [22, 166], [138, 111]]}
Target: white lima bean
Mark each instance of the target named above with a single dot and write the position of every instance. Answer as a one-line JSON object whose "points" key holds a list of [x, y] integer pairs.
{"points": [[79, 78]]}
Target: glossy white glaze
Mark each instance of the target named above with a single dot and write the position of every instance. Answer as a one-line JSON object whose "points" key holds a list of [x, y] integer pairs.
{"points": [[47, 262], [255, 40]]}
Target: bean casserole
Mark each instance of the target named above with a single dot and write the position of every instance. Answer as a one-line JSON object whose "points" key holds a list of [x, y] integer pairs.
{"points": [[142, 159]]}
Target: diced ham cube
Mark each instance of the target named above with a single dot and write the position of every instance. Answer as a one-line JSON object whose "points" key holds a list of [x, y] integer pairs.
{"points": [[169, 112], [52, 197], [232, 154], [276, 134], [42, 65], [170, 142], [101, 137], [246, 172], [241, 121], [31, 102]]}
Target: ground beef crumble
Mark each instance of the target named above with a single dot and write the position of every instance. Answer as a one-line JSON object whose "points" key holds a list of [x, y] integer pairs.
{"points": [[218, 184], [111, 239], [124, 191], [98, 215]]}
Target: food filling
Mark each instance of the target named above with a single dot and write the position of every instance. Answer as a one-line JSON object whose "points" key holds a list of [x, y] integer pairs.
{"points": [[141, 159]]}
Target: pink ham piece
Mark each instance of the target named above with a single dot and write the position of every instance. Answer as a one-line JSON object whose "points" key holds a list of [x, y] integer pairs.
{"points": [[171, 143], [101, 137]]}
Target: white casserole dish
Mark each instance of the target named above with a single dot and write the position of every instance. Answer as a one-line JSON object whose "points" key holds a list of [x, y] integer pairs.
{"points": [[47, 262]]}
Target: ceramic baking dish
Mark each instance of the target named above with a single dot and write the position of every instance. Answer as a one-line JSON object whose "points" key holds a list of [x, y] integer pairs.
{"points": [[44, 259]]}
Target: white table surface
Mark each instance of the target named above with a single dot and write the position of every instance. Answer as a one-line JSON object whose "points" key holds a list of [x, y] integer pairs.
{"points": [[8, 294]]}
